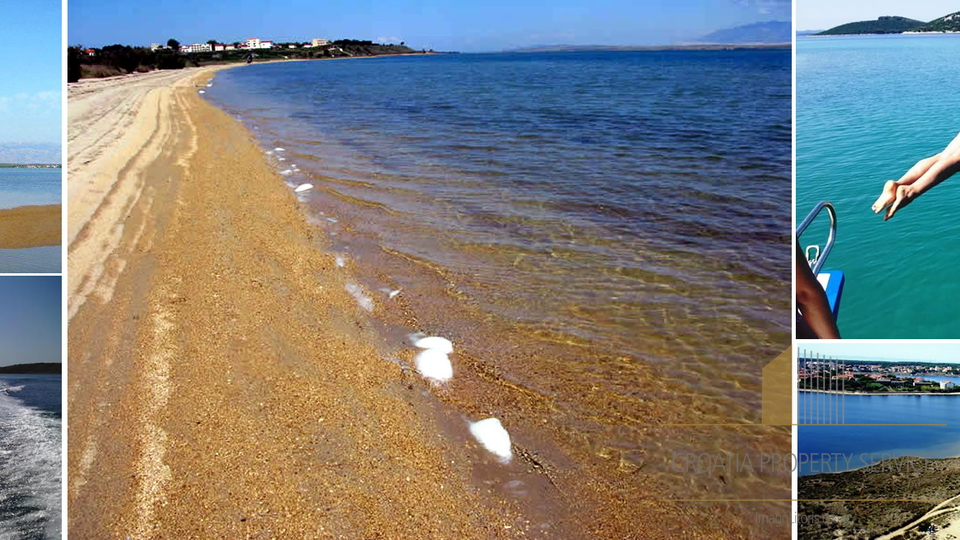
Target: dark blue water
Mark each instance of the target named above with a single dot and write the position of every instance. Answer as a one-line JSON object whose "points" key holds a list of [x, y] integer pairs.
{"points": [[22, 187], [30, 457], [937, 441], [609, 195]]}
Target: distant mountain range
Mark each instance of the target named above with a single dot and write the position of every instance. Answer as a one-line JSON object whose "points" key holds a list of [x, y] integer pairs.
{"points": [[883, 25], [18, 153], [761, 32]]}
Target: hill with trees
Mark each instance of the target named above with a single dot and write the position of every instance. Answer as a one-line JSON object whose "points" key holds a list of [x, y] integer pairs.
{"points": [[883, 25], [948, 23], [42, 367]]}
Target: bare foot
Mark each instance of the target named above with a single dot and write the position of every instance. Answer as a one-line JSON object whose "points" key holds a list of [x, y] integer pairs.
{"points": [[888, 196]]}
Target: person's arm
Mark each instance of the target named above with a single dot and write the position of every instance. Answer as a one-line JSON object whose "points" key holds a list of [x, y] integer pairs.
{"points": [[812, 301], [947, 164]]}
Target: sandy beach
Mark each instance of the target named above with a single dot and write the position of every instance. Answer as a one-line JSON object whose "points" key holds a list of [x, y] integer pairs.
{"points": [[30, 226], [224, 384]]}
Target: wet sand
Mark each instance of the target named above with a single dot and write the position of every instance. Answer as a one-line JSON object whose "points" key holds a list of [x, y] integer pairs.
{"points": [[30, 226], [222, 382]]}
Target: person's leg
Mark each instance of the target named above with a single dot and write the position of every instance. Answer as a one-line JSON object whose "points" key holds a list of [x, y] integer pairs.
{"points": [[889, 193]]}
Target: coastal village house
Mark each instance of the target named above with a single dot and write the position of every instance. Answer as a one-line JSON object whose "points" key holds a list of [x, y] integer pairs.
{"points": [[250, 43], [946, 385]]}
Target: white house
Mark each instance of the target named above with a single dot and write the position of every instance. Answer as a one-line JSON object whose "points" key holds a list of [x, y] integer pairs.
{"points": [[946, 385], [266, 44], [196, 48], [219, 47], [320, 42]]}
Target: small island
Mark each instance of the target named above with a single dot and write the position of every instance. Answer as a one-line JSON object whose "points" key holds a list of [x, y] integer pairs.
{"points": [[883, 25], [896, 25], [37, 368]]}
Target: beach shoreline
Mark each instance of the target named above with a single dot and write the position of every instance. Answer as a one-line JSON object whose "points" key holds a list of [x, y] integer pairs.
{"points": [[214, 350], [218, 353], [30, 226], [835, 392]]}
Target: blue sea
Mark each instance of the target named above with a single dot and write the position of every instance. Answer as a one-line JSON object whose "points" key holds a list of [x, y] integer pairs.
{"points": [[23, 187], [572, 221], [868, 108], [866, 445], [30, 457]]}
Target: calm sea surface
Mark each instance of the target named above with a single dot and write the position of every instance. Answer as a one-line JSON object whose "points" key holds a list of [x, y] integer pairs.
{"points": [[859, 442], [30, 444], [868, 108], [608, 233], [22, 187]]}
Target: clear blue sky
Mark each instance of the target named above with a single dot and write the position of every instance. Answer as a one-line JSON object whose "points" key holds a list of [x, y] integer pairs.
{"points": [[30, 98], [824, 14], [490, 25], [30, 311], [887, 350]]}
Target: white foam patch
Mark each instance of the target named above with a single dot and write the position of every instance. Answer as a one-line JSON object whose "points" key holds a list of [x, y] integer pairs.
{"points": [[332, 220], [340, 261], [281, 159], [286, 172], [434, 342], [393, 293], [278, 149], [30, 479], [209, 85], [269, 152], [203, 91], [434, 364], [304, 187], [361, 297], [491, 435]]}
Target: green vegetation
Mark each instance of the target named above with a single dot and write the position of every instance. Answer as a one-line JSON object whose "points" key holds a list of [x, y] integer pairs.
{"points": [[828, 379], [854, 504], [123, 59], [43, 367], [883, 25], [949, 23]]}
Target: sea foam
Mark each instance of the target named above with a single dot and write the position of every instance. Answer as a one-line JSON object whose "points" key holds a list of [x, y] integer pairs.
{"points": [[434, 364], [491, 435]]}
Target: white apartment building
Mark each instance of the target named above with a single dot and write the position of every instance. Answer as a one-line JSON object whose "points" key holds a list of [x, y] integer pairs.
{"points": [[196, 48]]}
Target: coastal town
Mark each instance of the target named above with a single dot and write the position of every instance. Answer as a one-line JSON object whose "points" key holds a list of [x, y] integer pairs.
{"points": [[876, 377], [251, 44]]}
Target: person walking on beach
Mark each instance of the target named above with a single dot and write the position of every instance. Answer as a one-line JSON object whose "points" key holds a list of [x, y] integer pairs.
{"points": [[814, 318], [921, 177]]}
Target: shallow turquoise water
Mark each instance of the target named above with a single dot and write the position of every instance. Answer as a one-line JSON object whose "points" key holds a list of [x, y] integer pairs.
{"points": [[868, 108]]}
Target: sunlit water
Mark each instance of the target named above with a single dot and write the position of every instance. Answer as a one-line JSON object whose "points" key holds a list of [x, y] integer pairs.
{"points": [[607, 231]]}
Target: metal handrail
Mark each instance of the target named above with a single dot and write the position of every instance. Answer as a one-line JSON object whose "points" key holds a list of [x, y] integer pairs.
{"points": [[818, 263]]}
